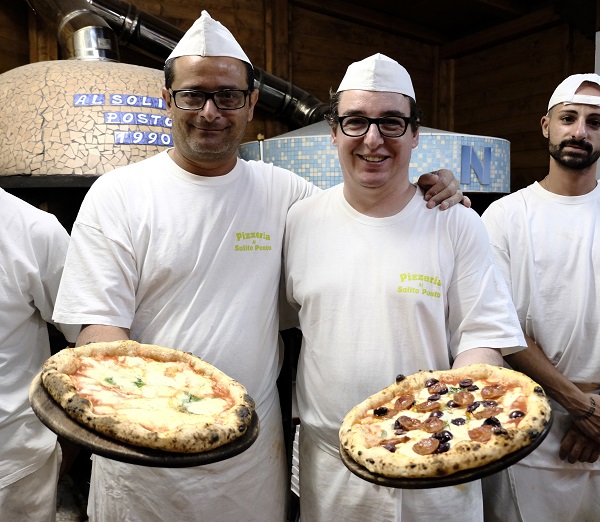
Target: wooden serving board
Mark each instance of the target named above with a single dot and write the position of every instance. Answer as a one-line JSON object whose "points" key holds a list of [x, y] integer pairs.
{"points": [[55, 418], [460, 477]]}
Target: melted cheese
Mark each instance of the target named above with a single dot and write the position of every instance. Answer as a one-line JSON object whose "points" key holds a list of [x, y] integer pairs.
{"points": [[159, 396]]}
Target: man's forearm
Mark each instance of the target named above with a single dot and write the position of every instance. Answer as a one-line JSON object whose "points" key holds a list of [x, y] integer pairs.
{"points": [[534, 363], [94, 333], [478, 356]]}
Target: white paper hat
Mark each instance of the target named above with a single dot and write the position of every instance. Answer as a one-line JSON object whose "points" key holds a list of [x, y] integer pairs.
{"points": [[565, 92], [207, 37], [377, 73]]}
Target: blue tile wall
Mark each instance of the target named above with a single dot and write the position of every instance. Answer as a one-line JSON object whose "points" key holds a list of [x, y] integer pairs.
{"points": [[315, 158]]}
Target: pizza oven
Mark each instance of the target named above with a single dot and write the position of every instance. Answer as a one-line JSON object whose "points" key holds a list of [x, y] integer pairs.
{"points": [[69, 121]]}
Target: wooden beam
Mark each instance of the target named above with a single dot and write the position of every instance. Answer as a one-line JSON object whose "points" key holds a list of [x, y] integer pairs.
{"points": [[444, 111], [277, 52], [536, 21], [367, 17], [43, 43], [508, 8]]}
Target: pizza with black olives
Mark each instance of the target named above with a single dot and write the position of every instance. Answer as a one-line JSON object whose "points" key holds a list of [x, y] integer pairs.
{"points": [[435, 423]]}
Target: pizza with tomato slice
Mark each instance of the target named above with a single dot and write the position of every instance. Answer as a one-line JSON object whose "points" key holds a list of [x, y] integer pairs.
{"points": [[436, 423]]}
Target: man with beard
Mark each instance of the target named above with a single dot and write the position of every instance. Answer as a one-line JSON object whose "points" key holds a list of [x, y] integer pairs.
{"points": [[546, 240]]}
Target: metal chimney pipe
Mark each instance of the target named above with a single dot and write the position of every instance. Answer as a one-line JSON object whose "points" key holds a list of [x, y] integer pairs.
{"points": [[155, 38], [138, 30], [82, 34]]}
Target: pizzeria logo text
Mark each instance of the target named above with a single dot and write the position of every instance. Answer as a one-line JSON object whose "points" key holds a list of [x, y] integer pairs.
{"points": [[421, 284], [252, 241]]}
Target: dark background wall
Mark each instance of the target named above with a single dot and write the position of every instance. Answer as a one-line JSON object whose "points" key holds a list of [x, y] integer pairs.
{"points": [[479, 67]]}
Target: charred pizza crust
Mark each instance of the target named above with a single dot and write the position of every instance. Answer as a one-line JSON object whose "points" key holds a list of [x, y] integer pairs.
{"points": [[192, 430], [377, 434]]}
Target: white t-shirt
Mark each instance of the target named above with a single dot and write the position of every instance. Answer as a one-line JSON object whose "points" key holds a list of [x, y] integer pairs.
{"points": [[548, 249], [188, 262], [33, 246], [379, 297], [383, 296]]}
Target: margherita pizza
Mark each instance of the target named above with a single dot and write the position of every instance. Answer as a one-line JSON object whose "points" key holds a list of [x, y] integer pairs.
{"points": [[148, 396], [435, 423]]}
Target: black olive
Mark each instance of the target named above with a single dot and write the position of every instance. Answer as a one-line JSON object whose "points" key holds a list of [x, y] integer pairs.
{"points": [[516, 414], [390, 447], [443, 447], [489, 404], [400, 377], [443, 436], [465, 383], [434, 397], [473, 406], [493, 421], [452, 404], [539, 390], [397, 425], [436, 413], [399, 431], [499, 431], [473, 388], [380, 411], [458, 421], [431, 382]]}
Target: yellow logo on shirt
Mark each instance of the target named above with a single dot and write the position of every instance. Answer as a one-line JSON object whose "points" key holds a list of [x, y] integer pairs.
{"points": [[252, 241], [420, 280]]}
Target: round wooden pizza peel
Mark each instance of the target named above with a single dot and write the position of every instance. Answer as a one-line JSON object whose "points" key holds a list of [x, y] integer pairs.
{"points": [[55, 418], [454, 479]]}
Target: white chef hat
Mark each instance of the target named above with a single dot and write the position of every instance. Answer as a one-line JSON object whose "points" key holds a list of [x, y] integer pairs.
{"points": [[377, 73], [565, 92], [207, 37]]}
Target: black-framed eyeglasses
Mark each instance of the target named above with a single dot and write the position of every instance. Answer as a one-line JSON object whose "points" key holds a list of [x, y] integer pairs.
{"points": [[388, 126], [195, 99]]}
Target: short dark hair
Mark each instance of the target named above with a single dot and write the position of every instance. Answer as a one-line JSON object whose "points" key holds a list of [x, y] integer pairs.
{"points": [[170, 74], [334, 99]]}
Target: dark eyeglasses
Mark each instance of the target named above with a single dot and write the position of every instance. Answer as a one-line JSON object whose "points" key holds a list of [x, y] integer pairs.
{"points": [[388, 126], [195, 99]]}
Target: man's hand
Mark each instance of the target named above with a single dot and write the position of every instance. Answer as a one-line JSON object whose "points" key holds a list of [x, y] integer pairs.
{"points": [[442, 188], [575, 446], [587, 416]]}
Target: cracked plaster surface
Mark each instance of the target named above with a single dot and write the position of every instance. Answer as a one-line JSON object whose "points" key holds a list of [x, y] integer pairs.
{"points": [[43, 133]]}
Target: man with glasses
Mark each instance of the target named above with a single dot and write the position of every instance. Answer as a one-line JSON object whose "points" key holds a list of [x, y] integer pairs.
{"points": [[184, 250], [383, 287]]}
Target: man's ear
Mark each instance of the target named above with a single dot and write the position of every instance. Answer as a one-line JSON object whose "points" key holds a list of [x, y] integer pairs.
{"points": [[415, 140], [166, 95], [333, 137], [252, 99], [545, 124]]}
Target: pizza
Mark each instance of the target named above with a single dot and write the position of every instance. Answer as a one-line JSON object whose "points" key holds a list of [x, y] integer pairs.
{"points": [[148, 395], [436, 423]]}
